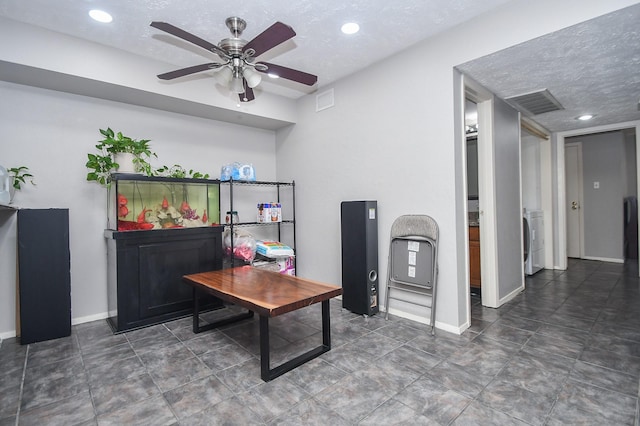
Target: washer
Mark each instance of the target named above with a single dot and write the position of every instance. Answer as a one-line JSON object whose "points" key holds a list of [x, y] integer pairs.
{"points": [[534, 241]]}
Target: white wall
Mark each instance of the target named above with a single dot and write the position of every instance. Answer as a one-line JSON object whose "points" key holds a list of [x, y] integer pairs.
{"points": [[396, 145], [52, 132]]}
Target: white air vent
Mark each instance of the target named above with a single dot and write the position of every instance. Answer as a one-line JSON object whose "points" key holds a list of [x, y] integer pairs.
{"points": [[535, 103], [324, 100]]}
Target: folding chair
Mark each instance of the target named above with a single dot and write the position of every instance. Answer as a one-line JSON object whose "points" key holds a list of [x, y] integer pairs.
{"points": [[413, 267]]}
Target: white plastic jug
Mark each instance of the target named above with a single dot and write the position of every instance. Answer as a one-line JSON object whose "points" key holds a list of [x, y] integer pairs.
{"points": [[5, 182]]}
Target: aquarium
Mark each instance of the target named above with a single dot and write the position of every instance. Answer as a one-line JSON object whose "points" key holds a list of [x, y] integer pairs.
{"points": [[139, 202]]}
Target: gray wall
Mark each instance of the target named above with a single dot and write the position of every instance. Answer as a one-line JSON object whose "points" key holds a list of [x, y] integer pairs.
{"points": [[506, 123], [630, 163], [52, 132], [603, 161]]}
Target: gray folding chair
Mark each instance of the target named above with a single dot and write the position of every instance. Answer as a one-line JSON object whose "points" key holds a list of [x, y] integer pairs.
{"points": [[413, 266]]}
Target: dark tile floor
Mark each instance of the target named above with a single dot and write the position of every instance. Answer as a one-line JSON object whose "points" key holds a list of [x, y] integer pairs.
{"points": [[566, 351]]}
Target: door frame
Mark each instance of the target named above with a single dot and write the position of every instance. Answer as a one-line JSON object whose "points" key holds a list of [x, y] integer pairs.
{"points": [[486, 195], [580, 195], [560, 171]]}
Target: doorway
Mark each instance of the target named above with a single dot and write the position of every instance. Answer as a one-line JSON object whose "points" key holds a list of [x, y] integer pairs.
{"points": [[473, 201], [629, 166]]}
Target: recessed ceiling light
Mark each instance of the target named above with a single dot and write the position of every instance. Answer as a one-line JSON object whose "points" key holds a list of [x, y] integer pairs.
{"points": [[100, 16], [350, 28], [273, 75], [585, 117]]}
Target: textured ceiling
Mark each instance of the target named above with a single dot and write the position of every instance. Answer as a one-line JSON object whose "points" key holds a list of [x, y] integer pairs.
{"points": [[592, 67], [318, 48]]}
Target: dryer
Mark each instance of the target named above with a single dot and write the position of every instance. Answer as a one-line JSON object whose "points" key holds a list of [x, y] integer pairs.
{"points": [[534, 241]]}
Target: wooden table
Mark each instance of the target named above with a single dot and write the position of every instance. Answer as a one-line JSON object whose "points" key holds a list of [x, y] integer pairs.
{"points": [[269, 294]]}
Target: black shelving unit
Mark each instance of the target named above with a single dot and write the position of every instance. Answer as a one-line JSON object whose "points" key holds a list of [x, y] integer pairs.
{"points": [[270, 189]]}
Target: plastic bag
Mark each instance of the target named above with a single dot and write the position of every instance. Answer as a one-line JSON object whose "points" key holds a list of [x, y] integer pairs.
{"points": [[237, 171], [244, 245]]}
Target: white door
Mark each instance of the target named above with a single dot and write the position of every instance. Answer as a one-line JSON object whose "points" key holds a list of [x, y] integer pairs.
{"points": [[573, 171]]}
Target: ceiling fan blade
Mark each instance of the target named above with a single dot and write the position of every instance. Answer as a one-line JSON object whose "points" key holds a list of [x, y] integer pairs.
{"points": [[289, 73], [248, 95], [189, 70], [271, 37], [173, 30]]}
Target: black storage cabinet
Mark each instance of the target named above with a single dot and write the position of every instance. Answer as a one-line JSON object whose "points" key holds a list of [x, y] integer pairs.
{"points": [[145, 270], [44, 274]]}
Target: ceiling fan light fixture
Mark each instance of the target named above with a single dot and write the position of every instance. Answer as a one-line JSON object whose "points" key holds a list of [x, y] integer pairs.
{"points": [[100, 16], [350, 28], [236, 85], [252, 77], [223, 76]]}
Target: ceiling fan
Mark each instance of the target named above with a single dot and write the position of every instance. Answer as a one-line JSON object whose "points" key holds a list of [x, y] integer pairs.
{"points": [[238, 69]]}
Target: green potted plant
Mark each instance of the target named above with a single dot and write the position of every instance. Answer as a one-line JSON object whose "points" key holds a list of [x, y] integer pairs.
{"points": [[177, 171], [19, 176], [109, 159]]}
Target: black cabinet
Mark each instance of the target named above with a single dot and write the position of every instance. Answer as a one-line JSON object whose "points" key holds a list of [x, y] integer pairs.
{"points": [[145, 270], [44, 274]]}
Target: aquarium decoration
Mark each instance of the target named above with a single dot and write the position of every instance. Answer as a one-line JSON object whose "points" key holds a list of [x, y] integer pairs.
{"points": [[163, 203]]}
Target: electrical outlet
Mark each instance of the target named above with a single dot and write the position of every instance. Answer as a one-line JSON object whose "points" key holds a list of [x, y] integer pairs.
{"points": [[596, 185]]}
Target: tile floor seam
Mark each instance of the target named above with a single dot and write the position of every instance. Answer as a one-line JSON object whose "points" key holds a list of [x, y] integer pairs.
{"points": [[24, 373], [495, 377], [557, 395], [86, 372], [144, 364], [212, 374], [637, 419]]}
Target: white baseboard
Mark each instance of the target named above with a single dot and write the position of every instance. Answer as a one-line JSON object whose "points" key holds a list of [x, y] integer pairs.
{"points": [[423, 320], [604, 259], [89, 318], [511, 295], [74, 321], [7, 335]]}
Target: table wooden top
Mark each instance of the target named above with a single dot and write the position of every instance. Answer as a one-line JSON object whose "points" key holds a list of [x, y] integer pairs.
{"points": [[267, 293]]}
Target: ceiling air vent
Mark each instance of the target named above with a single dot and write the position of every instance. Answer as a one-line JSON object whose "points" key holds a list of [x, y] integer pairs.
{"points": [[535, 103]]}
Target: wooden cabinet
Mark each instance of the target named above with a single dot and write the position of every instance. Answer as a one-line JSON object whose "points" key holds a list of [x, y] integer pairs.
{"points": [[145, 270], [474, 256]]}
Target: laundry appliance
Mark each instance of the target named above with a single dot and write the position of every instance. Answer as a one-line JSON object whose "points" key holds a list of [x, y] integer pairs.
{"points": [[533, 231]]}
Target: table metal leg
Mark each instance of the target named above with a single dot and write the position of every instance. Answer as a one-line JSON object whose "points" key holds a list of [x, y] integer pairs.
{"points": [[326, 325], [265, 358], [197, 328], [268, 373]]}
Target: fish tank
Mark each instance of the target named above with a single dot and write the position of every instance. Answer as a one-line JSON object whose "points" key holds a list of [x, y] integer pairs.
{"points": [[147, 203]]}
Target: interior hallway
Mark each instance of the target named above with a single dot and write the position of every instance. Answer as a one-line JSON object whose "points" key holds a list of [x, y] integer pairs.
{"points": [[566, 351]]}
